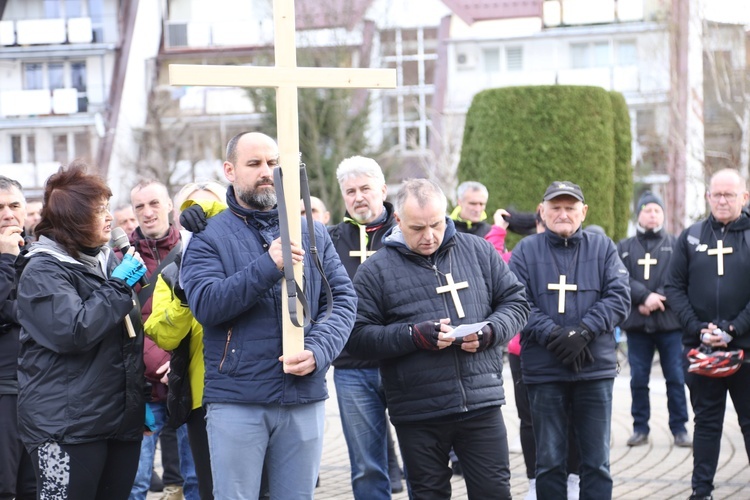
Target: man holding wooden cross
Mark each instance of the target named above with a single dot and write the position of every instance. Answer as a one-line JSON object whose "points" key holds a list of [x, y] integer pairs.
{"points": [[261, 404], [578, 290], [443, 387]]}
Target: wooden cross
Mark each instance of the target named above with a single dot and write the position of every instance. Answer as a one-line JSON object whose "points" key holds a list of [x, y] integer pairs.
{"points": [[720, 252], [362, 253], [286, 78], [561, 288], [647, 262], [453, 288]]}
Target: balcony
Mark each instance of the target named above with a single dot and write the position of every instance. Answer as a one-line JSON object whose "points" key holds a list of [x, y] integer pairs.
{"points": [[183, 34], [30, 175], [40, 102], [46, 31], [215, 101]]}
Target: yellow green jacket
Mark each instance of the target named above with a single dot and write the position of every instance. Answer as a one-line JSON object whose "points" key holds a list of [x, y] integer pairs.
{"points": [[171, 321]]}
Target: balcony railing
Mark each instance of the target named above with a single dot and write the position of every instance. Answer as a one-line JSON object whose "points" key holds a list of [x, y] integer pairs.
{"points": [[46, 31], [183, 34], [39, 102]]}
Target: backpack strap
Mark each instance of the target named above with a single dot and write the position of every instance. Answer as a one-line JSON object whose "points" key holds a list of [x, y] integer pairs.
{"points": [[145, 293]]}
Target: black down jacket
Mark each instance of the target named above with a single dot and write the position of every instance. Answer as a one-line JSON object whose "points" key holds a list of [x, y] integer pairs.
{"points": [[397, 288], [80, 376]]}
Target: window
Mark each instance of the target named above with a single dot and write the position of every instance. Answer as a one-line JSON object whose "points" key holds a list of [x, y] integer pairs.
{"points": [[96, 13], [413, 53], [60, 148], [78, 81], [82, 145], [33, 76], [22, 149], [589, 55], [56, 74], [15, 149], [491, 59], [52, 9], [627, 54], [514, 58]]}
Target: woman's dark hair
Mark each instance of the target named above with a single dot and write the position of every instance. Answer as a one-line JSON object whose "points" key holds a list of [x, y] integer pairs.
{"points": [[72, 199]]}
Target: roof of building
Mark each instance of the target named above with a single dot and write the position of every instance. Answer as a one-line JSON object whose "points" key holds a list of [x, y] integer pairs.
{"points": [[471, 11], [317, 14]]}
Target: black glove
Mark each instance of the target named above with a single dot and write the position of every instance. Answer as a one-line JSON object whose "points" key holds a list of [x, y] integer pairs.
{"points": [[425, 335], [193, 218], [569, 345], [555, 333], [171, 276], [582, 359], [486, 336]]}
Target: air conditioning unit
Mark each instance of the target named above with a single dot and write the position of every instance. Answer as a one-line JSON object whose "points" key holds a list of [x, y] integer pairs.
{"points": [[177, 34], [467, 57]]}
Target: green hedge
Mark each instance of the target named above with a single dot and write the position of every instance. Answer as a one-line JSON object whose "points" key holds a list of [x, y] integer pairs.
{"points": [[517, 140]]}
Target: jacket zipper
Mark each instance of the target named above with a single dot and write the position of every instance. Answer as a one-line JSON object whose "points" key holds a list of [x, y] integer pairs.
{"points": [[226, 348]]}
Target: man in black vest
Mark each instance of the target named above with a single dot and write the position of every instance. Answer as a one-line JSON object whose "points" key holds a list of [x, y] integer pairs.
{"points": [[652, 324], [707, 287], [359, 389]]}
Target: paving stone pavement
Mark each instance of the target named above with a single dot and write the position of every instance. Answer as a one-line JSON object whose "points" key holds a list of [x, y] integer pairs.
{"points": [[657, 471]]}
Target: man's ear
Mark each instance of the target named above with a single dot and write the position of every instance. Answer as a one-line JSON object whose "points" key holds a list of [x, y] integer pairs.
{"points": [[229, 171]]}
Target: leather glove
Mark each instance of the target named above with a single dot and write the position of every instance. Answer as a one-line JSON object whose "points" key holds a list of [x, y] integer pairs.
{"points": [[129, 270], [569, 345], [582, 359], [486, 336], [171, 276], [193, 218], [425, 335]]}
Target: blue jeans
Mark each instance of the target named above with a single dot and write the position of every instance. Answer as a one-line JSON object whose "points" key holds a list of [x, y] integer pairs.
{"points": [[289, 438], [587, 405], [146, 462], [641, 347], [362, 406]]}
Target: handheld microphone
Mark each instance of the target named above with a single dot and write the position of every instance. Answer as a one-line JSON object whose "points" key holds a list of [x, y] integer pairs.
{"points": [[120, 240]]}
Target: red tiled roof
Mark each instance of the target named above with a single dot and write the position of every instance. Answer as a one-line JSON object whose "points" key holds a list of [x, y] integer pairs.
{"points": [[318, 14], [471, 11]]}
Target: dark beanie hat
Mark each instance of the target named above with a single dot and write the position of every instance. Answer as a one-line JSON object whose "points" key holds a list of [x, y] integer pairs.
{"points": [[645, 199]]}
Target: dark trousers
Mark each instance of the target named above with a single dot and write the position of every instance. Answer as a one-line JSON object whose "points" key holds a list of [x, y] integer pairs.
{"points": [[587, 406], [170, 457], [641, 348], [528, 444], [709, 398], [196, 426], [481, 444], [102, 470], [17, 479]]}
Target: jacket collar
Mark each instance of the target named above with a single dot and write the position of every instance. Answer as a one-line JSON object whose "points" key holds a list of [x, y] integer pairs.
{"points": [[740, 224], [559, 241]]}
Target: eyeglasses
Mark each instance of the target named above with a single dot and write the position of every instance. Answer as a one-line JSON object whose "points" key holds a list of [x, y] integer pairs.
{"points": [[102, 210], [730, 197]]}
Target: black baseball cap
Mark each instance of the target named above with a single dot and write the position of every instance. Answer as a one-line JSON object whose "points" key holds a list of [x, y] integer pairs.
{"points": [[560, 188]]}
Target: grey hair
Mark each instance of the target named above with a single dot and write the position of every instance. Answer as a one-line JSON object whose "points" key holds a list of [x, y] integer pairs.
{"points": [[359, 165], [6, 184], [423, 190], [470, 186]]}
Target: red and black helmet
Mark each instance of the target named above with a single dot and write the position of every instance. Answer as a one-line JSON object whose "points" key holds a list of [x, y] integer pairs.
{"points": [[707, 362]]}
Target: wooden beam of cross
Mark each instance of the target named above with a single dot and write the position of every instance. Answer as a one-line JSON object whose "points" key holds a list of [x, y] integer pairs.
{"points": [[647, 262], [452, 287], [562, 287], [720, 251], [286, 78]]}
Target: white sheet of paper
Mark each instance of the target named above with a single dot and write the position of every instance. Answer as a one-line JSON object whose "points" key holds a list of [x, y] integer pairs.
{"points": [[462, 331]]}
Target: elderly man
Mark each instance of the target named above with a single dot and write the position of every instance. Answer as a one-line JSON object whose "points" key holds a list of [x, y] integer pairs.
{"points": [[258, 402], [578, 290], [653, 323], [358, 387], [469, 215], [707, 287], [16, 471], [443, 387]]}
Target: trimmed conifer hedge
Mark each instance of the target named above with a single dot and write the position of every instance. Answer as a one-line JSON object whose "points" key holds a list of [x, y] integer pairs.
{"points": [[517, 140]]}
